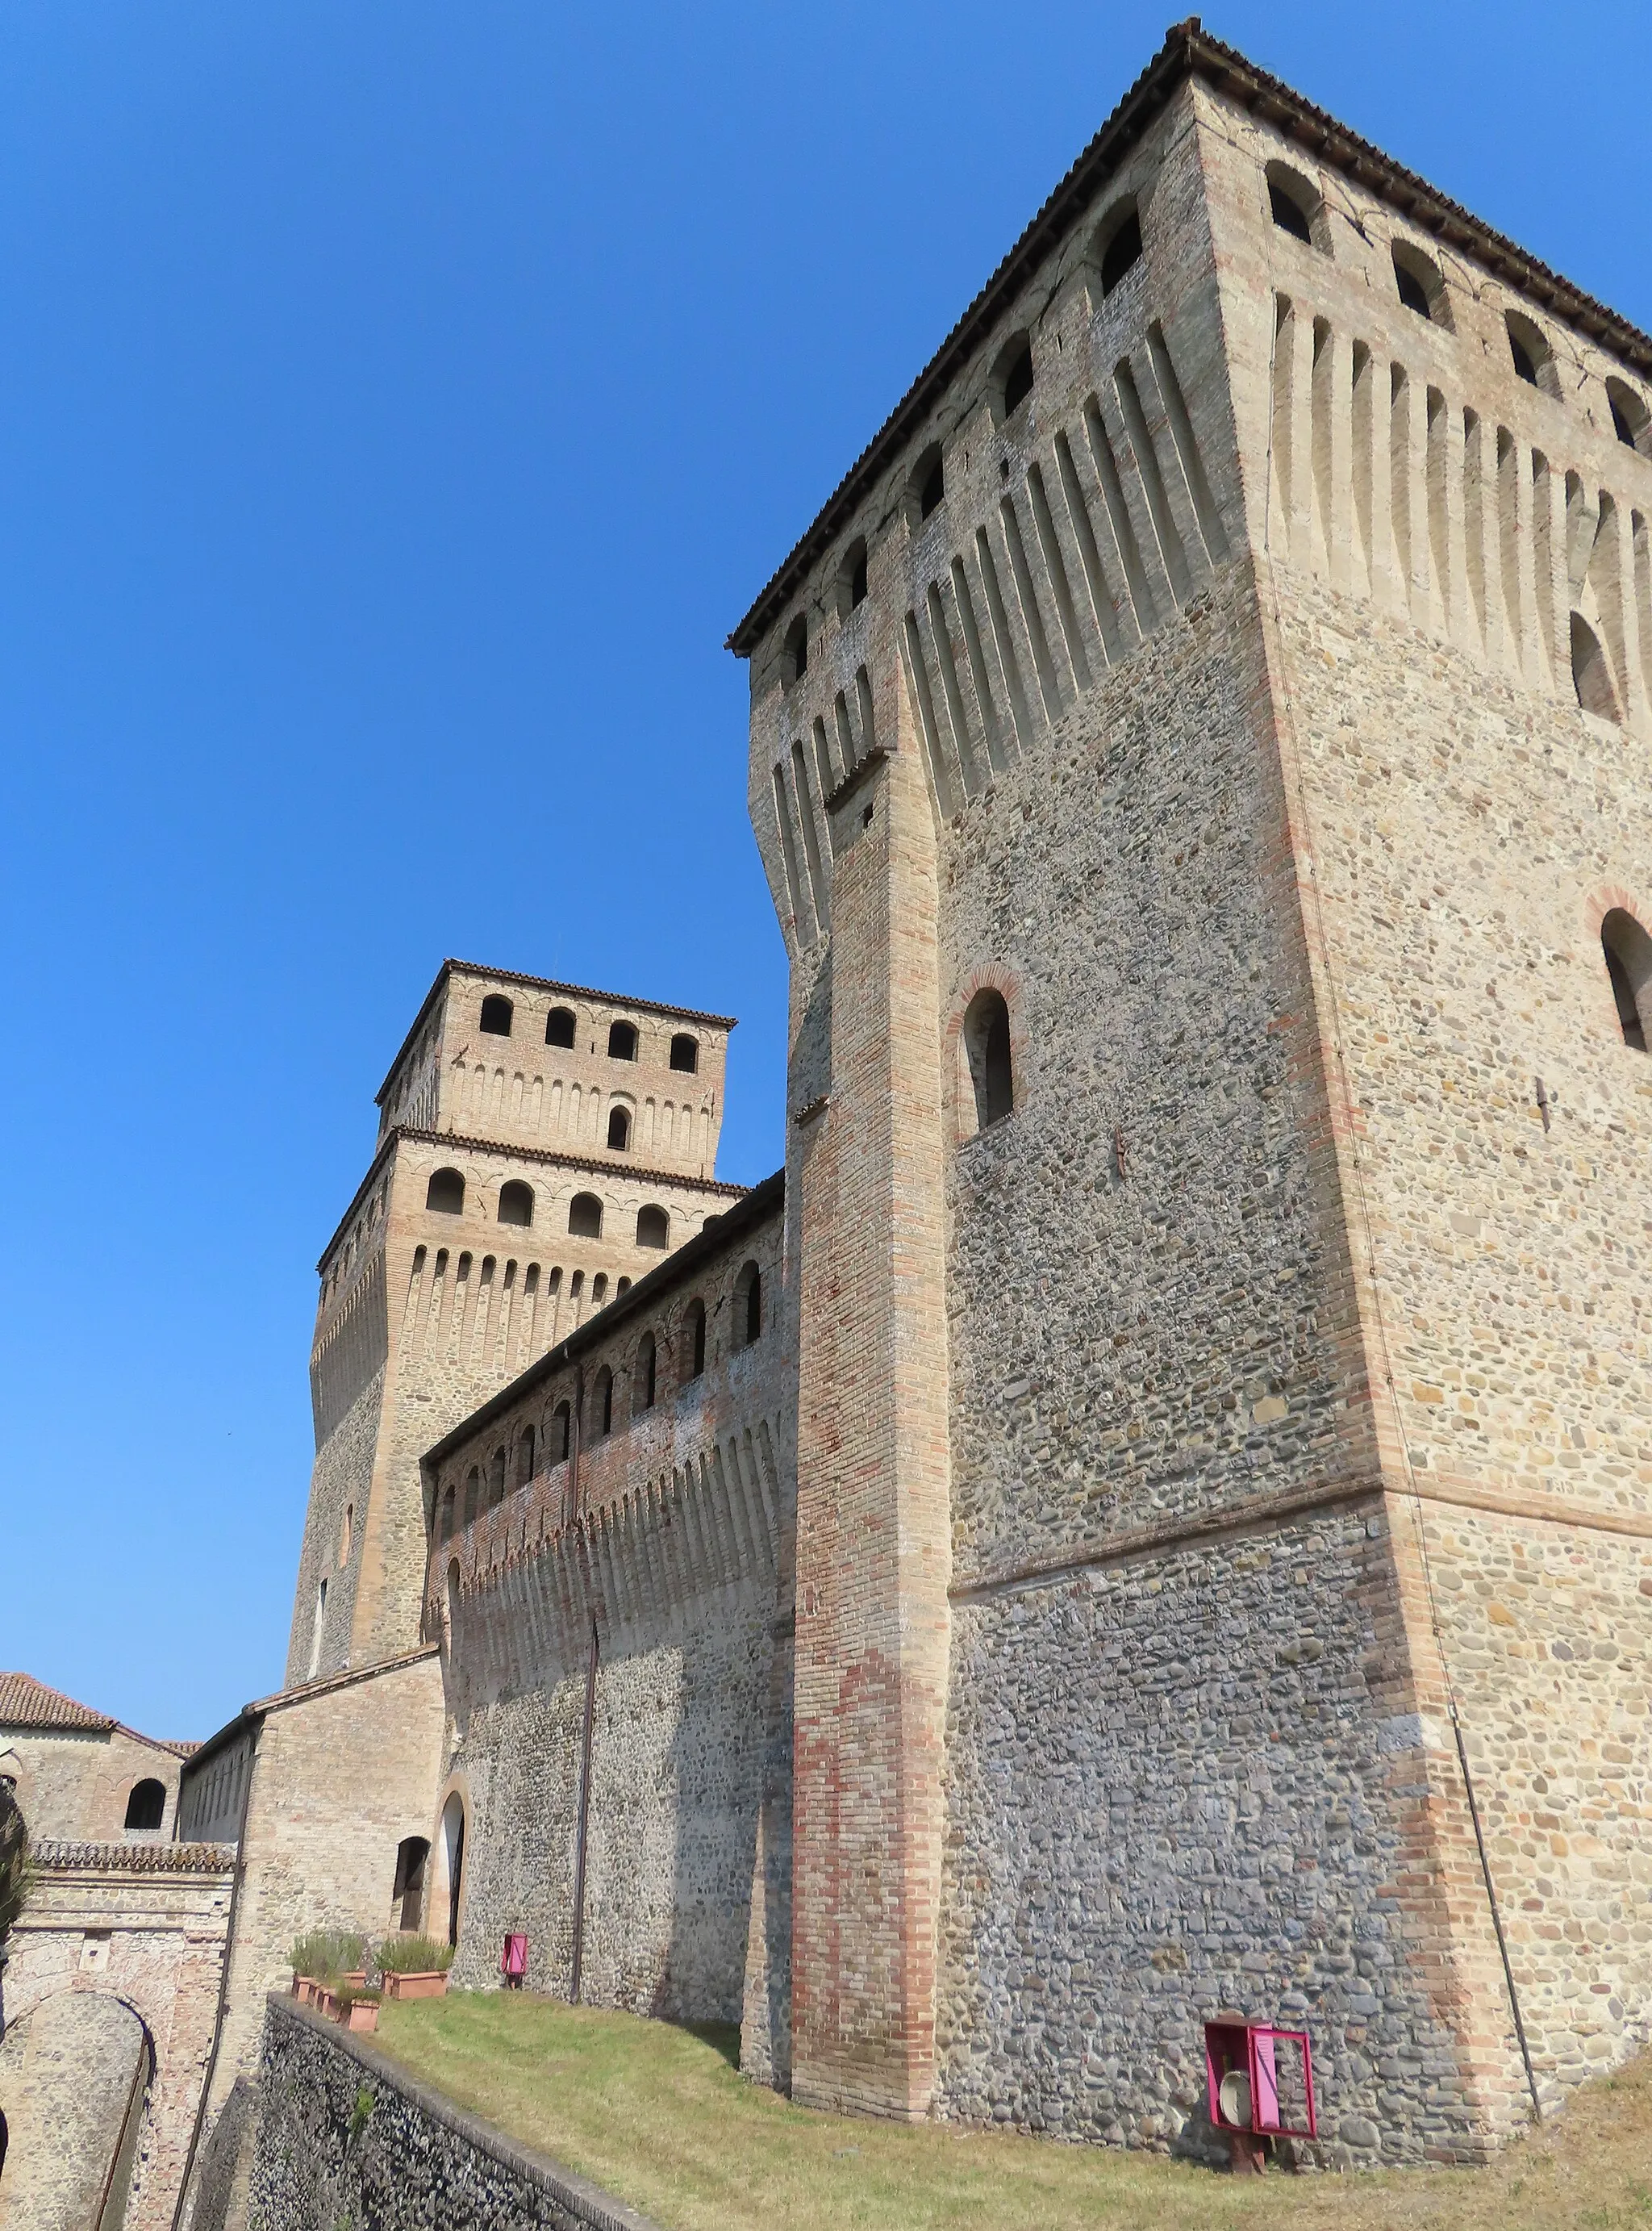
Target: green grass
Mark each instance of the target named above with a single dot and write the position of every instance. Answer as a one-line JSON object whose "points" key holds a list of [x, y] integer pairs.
{"points": [[660, 2116]]}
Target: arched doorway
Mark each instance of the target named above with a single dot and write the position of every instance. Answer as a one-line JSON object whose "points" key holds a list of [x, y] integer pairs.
{"points": [[453, 1852]]}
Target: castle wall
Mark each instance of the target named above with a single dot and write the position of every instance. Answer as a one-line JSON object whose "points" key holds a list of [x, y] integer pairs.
{"points": [[111, 1997], [341, 1774], [75, 1784], [650, 1573]]}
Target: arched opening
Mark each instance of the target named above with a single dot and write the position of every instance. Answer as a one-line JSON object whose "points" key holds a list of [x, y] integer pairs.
{"points": [[1123, 250], [446, 1192], [516, 1202], [619, 1130], [444, 1521], [452, 1601], [472, 1494], [685, 1052], [748, 1305], [1529, 351], [561, 1433], [559, 1027], [145, 1808], [851, 578], [645, 1379], [496, 1015], [586, 1216], [622, 1042], [346, 1535], [524, 1456], [1591, 677], [653, 1227], [1419, 283], [694, 1341], [496, 1479], [602, 1405], [599, 1290], [927, 490], [1292, 203], [794, 651], [453, 1850], [1012, 378], [1631, 421], [986, 1049], [1628, 964], [407, 1891]]}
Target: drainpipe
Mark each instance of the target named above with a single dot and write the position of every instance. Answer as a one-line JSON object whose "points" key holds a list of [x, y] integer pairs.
{"points": [[584, 1814]]}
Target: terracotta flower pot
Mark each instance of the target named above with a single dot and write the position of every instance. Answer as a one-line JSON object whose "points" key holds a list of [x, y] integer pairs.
{"points": [[357, 1979], [361, 2014], [424, 1983], [325, 2003]]}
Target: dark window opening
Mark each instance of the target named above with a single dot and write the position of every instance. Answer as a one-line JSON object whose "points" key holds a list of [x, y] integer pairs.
{"points": [[795, 650], [622, 1042], [1122, 252], [561, 1433], [1528, 350], [1630, 418], [496, 1479], [602, 1404], [857, 576], [1412, 292], [1288, 213], [619, 1129], [986, 1047], [685, 1053], [444, 1523], [653, 1228], [524, 1456], [648, 1365], [453, 1822], [586, 1216], [1628, 964], [496, 1015], [932, 488], [748, 1305], [1017, 378], [1524, 367], [407, 1892], [472, 1494], [446, 1192], [146, 1806], [516, 1203], [694, 1341], [559, 1027], [623, 1286]]}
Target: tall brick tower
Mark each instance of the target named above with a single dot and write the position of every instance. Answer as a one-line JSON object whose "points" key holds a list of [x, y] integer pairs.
{"points": [[539, 1146], [1199, 759]]}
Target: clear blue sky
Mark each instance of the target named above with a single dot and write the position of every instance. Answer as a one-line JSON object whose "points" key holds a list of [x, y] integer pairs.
{"points": [[398, 403]]}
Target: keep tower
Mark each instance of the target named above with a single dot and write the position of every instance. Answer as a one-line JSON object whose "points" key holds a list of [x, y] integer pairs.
{"points": [[1200, 758], [541, 1146]]}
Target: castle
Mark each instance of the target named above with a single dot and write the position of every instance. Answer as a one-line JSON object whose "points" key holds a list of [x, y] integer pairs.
{"points": [[1149, 1513]]}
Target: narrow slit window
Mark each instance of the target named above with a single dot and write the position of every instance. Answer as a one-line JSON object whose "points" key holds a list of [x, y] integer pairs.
{"points": [[648, 1365], [987, 1051]]}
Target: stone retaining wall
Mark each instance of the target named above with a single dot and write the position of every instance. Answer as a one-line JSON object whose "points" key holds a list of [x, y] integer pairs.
{"points": [[347, 2137]]}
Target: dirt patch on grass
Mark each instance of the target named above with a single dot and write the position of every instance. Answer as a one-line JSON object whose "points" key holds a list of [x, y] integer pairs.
{"points": [[660, 2117]]}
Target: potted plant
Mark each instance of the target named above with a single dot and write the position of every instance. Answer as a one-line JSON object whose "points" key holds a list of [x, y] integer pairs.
{"points": [[324, 1958], [358, 2007], [415, 1966]]}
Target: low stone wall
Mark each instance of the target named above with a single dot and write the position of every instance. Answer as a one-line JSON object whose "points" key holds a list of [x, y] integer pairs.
{"points": [[346, 2135]]}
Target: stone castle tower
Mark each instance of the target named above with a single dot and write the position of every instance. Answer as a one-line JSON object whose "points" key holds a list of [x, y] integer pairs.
{"points": [[1200, 758], [539, 1148]]}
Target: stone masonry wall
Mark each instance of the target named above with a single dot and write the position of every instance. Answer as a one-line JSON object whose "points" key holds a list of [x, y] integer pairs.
{"points": [[75, 1785], [347, 2137], [116, 1965], [679, 1558]]}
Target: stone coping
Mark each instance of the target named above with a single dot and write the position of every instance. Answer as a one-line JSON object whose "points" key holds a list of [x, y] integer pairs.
{"points": [[582, 2199], [136, 1859]]}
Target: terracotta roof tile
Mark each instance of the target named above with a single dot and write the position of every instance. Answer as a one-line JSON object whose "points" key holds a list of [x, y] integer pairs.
{"points": [[26, 1703]]}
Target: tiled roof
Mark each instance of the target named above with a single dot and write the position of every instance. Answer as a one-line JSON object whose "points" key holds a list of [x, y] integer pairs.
{"points": [[26, 1703], [134, 1859]]}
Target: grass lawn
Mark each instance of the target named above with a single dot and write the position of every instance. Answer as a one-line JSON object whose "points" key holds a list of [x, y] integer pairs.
{"points": [[660, 2117]]}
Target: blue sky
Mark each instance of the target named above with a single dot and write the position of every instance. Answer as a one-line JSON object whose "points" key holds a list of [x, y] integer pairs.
{"points": [[398, 404]]}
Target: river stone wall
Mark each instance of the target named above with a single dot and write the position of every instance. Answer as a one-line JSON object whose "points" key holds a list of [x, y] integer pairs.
{"points": [[347, 2137]]}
